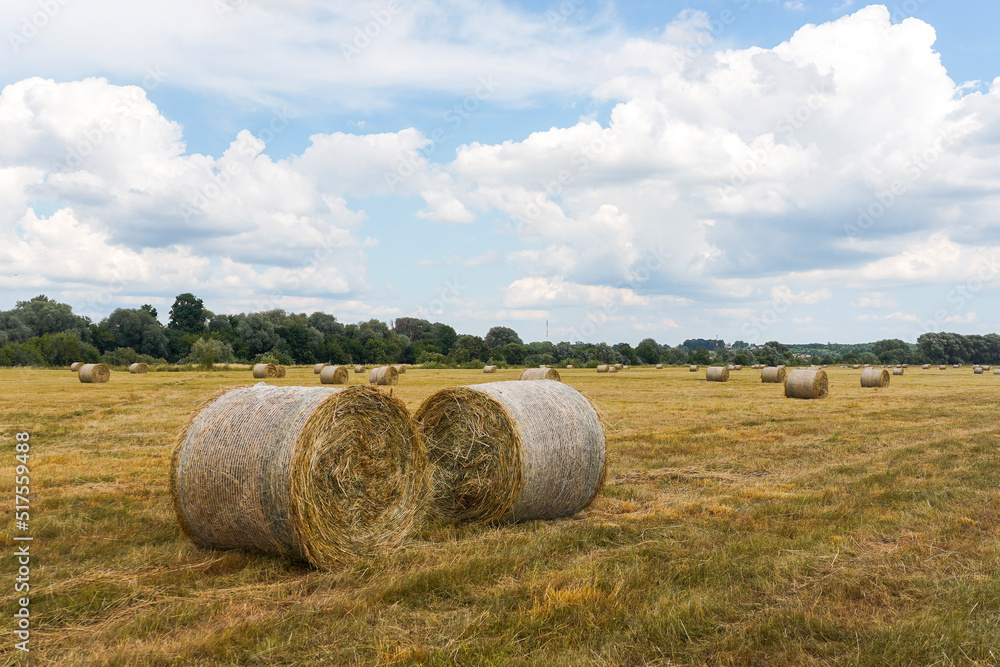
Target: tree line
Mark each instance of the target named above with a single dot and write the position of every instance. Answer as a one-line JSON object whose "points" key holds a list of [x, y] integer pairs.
{"points": [[44, 332]]}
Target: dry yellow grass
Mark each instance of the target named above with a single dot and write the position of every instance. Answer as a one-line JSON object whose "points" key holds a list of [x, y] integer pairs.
{"points": [[737, 528]]}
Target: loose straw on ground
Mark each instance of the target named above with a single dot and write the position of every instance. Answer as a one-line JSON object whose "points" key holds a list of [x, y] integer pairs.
{"points": [[512, 451], [312, 473]]}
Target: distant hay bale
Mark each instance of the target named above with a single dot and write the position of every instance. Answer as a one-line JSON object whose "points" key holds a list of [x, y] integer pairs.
{"points": [[996, 371], [400, 368], [856, 366], [906, 365], [925, 367], [659, 367], [569, 367], [604, 368], [731, 367], [94, 373], [138, 367], [978, 370], [318, 368], [383, 375], [359, 369], [76, 366], [693, 368], [717, 374], [897, 371], [987, 367], [489, 369], [738, 367], [512, 451], [619, 367], [279, 371], [942, 367], [804, 383], [875, 377], [773, 374], [262, 371], [334, 375], [540, 374], [958, 366], [625, 367], [317, 474]]}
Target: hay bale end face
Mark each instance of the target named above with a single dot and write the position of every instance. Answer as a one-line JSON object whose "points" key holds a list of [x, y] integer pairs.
{"points": [[76, 366], [803, 383], [137, 368], [875, 377], [512, 451], [773, 374], [400, 368], [94, 374], [717, 374], [334, 375], [540, 374], [489, 369], [264, 371], [279, 371], [318, 368], [383, 375], [312, 473], [897, 371]]}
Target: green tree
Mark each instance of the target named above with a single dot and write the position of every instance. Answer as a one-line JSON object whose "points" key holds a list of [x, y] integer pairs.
{"points": [[138, 329], [42, 315], [258, 333], [500, 336], [649, 351], [188, 314]]}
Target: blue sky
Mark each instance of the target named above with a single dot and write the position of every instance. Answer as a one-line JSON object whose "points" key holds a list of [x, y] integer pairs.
{"points": [[749, 169]]}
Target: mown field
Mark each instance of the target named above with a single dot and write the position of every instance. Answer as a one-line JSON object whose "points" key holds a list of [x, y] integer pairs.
{"points": [[737, 528]]}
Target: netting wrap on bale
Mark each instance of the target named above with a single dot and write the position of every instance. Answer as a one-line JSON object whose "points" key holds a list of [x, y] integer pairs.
{"points": [[773, 374], [76, 366], [717, 374], [512, 451], [318, 368], [384, 375], [262, 371], [802, 383], [312, 473], [874, 377], [94, 373], [138, 367], [334, 375], [540, 374]]}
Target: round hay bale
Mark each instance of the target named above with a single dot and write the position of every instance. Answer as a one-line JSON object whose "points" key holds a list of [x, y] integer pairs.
{"points": [[489, 369], [856, 366], [957, 366], [312, 473], [137, 368], [731, 367], [400, 368], [996, 371], [773, 374], [359, 369], [717, 374], [978, 370], [693, 368], [942, 367], [76, 366], [738, 367], [987, 367], [540, 374], [625, 367], [803, 383], [897, 371], [875, 377], [334, 375], [279, 371], [906, 365], [512, 451], [262, 371], [659, 367], [318, 368], [925, 366], [619, 367], [569, 367], [383, 375], [94, 374], [604, 368]]}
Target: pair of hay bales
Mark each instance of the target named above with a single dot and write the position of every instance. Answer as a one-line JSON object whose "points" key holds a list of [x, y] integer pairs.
{"points": [[94, 373], [540, 374], [606, 368], [326, 475]]}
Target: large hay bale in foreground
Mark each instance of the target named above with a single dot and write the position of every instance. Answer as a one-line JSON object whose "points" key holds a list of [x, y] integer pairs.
{"points": [[383, 375], [717, 374], [875, 377], [318, 368], [262, 371], [489, 369], [279, 371], [897, 371], [773, 374], [359, 369], [400, 368], [138, 367], [693, 368], [313, 473], [803, 383], [512, 451], [94, 373], [334, 375], [76, 366], [540, 374]]}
